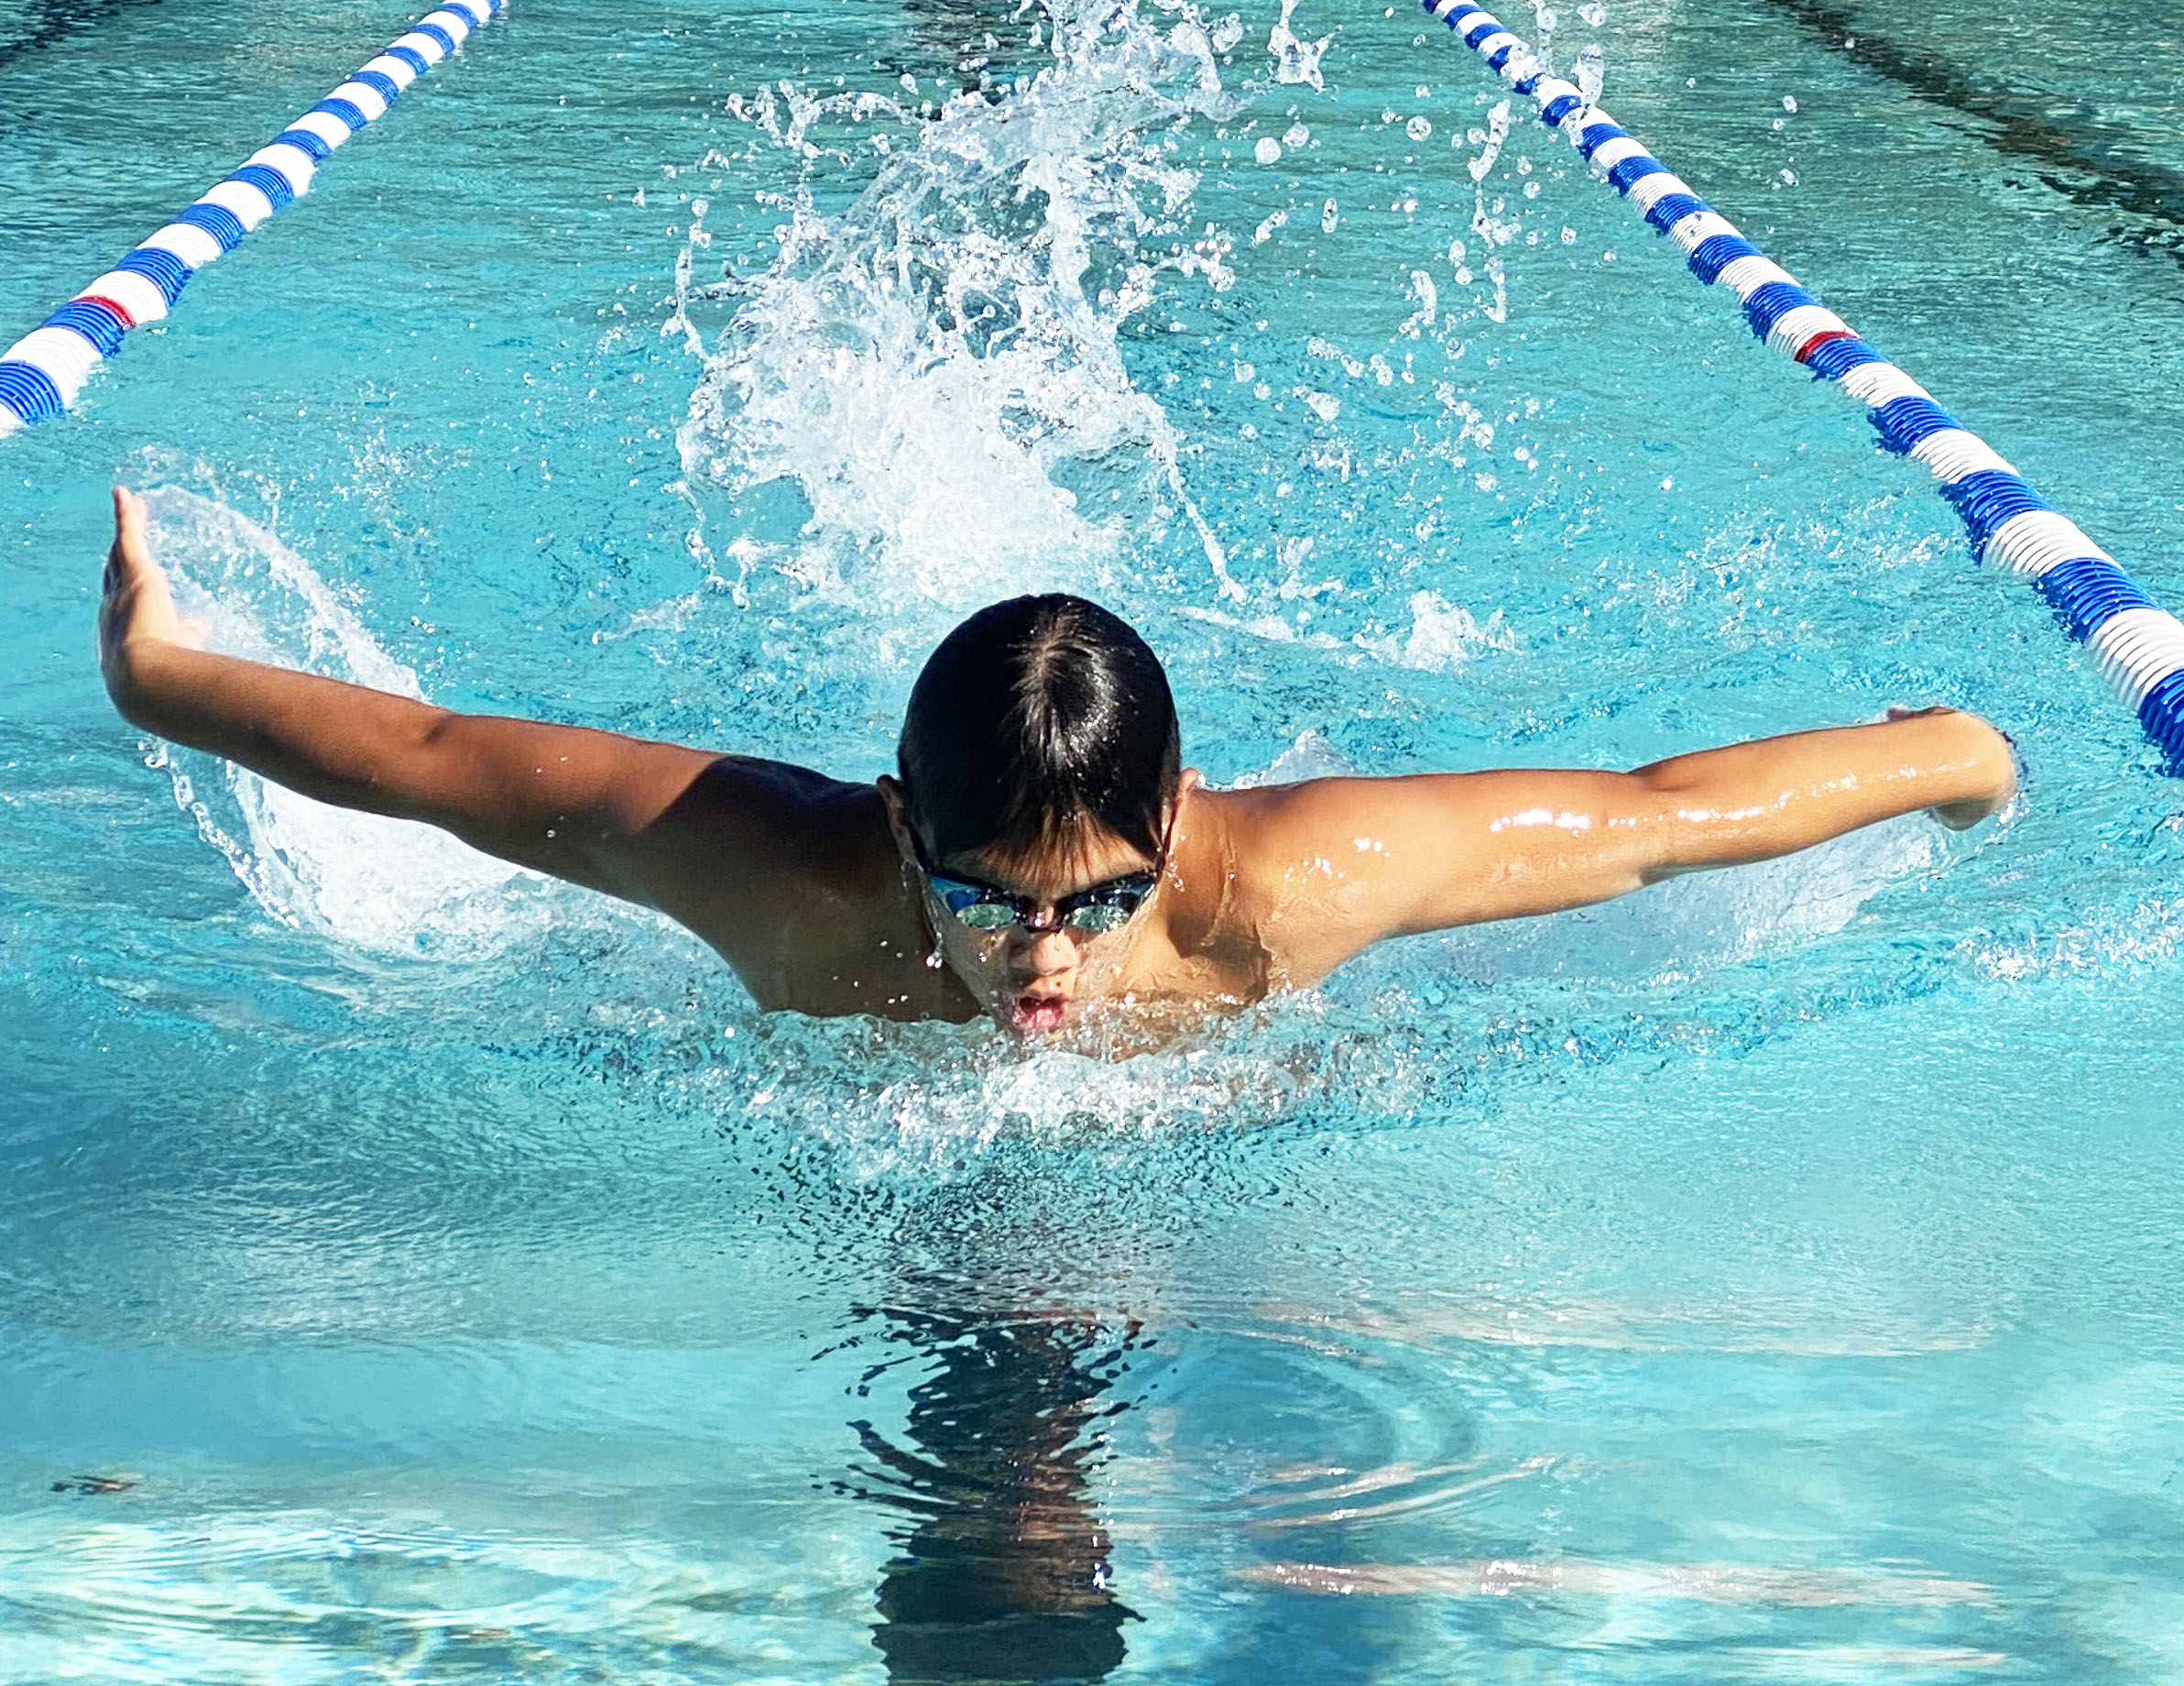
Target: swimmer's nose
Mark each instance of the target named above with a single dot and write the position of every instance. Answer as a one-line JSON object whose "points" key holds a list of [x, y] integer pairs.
{"points": [[1046, 952]]}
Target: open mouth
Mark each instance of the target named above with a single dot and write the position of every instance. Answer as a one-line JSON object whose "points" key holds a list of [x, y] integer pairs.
{"points": [[1033, 1014]]}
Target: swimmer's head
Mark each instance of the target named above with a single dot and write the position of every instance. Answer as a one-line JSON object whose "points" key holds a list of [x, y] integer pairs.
{"points": [[1041, 726]]}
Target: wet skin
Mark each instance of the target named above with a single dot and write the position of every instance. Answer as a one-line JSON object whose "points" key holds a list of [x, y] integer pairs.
{"points": [[810, 888]]}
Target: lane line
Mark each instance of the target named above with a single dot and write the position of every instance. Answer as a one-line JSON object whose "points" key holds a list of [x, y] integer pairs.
{"points": [[2137, 645], [42, 373]]}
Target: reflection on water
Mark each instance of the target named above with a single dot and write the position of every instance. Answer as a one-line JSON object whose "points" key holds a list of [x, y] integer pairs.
{"points": [[1002, 1572]]}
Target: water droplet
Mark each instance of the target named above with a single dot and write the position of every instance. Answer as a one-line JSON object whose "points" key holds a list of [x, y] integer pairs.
{"points": [[1268, 150], [1592, 70]]}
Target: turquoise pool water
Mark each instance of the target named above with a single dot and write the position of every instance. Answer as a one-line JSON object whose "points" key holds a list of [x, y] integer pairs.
{"points": [[412, 1271]]}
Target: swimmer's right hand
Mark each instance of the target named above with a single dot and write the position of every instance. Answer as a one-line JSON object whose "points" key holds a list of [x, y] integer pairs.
{"points": [[136, 611]]}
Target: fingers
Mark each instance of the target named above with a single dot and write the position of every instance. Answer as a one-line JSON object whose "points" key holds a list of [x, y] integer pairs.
{"points": [[129, 511], [129, 561], [137, 603], [114, 558], [128, 537], [129, 515]]}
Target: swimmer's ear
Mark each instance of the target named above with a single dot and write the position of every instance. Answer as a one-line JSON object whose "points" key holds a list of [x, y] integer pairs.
{"points": [[896, 801], [1190, 778]]}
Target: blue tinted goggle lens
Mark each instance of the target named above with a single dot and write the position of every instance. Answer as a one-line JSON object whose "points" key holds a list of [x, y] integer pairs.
{"points": [[975, 907], [1109, 915], [1104, 907]]}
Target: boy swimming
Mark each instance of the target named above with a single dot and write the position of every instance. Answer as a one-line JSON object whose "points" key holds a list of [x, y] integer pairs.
{"points": [[1040, 854]]}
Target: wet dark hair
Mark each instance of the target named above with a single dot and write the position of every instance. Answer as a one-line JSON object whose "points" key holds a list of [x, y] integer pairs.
{"points": [[1036, 719]]}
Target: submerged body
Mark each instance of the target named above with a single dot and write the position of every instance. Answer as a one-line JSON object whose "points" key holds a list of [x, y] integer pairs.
{"points": [[830, 898]]}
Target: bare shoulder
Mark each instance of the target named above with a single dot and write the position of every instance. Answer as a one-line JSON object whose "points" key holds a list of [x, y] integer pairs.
{"points": [[1287, 880], [787, 833], [794, 879]]}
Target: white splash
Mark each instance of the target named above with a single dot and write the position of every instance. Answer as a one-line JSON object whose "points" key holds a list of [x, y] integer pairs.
{"points": [[1489, 141], [386, 885], [935, 1102], [1312, 756], [1443, 635], [1295, 60], [930, 369]]}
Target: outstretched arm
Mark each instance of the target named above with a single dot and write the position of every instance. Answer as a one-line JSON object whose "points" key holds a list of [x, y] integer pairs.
{"points": [[560, 799], [1391, 856]]}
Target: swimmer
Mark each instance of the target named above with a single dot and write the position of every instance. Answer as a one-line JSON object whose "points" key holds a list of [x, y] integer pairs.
{"points": [[1040, 854]]}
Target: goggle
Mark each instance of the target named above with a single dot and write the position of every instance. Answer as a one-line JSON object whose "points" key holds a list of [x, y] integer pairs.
{"points": [[1096, 909]]}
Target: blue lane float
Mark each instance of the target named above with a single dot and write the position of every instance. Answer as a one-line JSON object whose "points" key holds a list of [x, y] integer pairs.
{"points": [[2138, 646], [41, 373]]}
